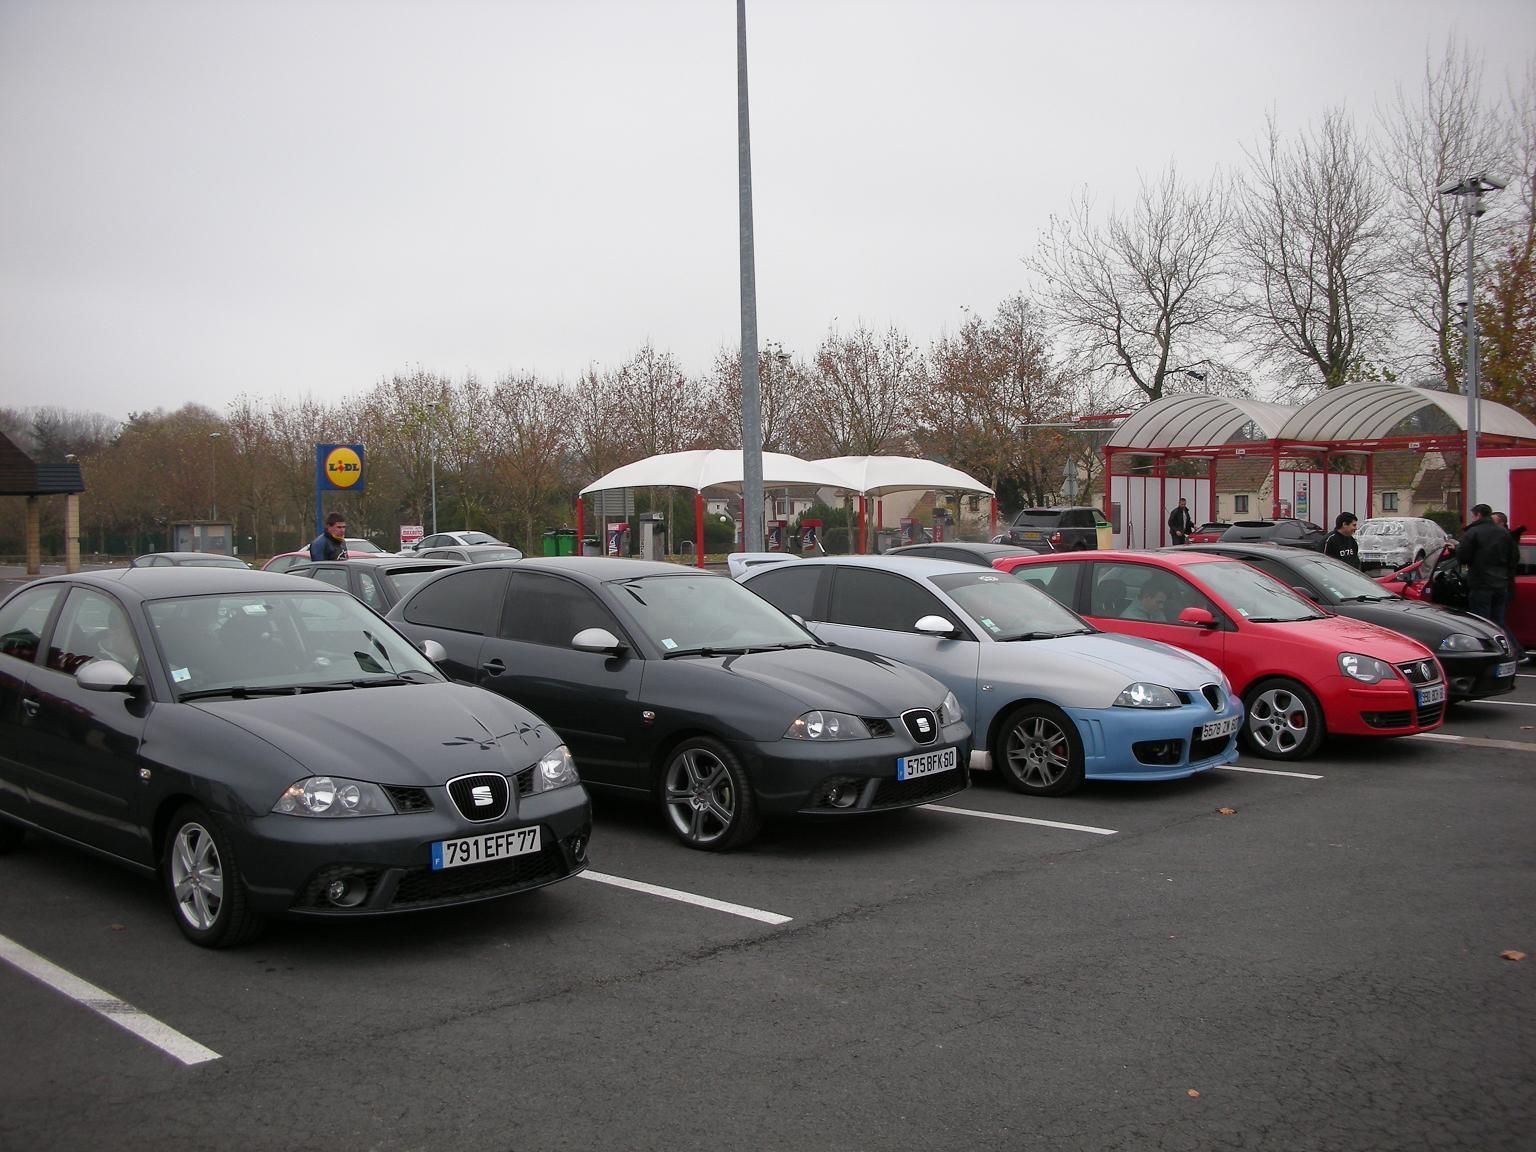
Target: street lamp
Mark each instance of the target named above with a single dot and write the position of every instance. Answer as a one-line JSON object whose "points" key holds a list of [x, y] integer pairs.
{"points": [[213, 471], [1470, 190], [1189, 370]]}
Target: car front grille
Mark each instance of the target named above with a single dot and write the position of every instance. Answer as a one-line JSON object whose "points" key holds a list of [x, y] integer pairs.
{"points": [[409, 799], [481, 797], [1212, 694], [525, 782], [1430, 715], [422, 887], [1420, 671], [903, 793], [1204, 749], [878, 727], [922, 724]]}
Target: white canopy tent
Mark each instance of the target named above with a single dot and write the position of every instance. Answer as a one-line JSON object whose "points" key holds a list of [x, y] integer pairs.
{"points": [[876, 476]]}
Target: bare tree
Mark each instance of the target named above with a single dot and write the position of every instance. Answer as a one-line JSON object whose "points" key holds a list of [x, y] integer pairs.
{"points": [[1312, 246], [1146, 292], [862, 392], [530, 438], [1506, 312], [782, 381]]}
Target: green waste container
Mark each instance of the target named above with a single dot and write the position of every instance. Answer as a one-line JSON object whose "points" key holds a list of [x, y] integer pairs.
{"points": [[551, 545], [565, 539]]}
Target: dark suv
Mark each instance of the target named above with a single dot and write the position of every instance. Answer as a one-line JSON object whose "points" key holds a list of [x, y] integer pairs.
{"points": [[1284, 530], [1059, 530]]}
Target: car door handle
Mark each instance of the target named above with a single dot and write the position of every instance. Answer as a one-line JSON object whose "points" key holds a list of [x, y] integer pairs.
{"points": [[31, 707], [494, 667]]}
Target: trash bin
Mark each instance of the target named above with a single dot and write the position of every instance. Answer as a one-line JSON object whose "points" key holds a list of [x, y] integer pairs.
{"points": [[591, 546], [551, 543], [565, 541]]}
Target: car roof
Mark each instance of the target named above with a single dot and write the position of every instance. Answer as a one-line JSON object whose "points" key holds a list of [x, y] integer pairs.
{"points": [[139, 584], [911, 565], [983, 549], [603, 568], [1184, 556], [371, 561], [1243, 548], [190, 555]]}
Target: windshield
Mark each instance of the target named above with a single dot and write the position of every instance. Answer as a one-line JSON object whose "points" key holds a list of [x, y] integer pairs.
{"points": [[408, 579], [279, 640], [1339, 580], [700, 613], [1008, 608], [1383, 528], [1253, 595]]}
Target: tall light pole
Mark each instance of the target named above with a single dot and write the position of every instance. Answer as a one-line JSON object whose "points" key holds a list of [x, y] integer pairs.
{"points": [[213, 471], [751, 400], [1470, 190]]}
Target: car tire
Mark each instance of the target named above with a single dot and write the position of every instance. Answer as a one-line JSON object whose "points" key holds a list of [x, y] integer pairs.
{"points": [[202, 879], [11, 836], [706, 796], [1037, 750], [1282, 720]]}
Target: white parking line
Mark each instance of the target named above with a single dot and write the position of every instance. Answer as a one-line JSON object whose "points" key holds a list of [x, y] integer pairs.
{"points": [[1478, 741], [1509, 703], [1018, 819], [1268, 771], [688, 898], [121, 1013]]}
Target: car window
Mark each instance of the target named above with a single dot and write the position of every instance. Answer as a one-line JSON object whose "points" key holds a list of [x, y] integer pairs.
{"points": [[1009, 609], [867, 598], [92, 626], [22, 620], [550, 610], [1142, 592], [1058, 581], [335, 577], [407, 580], [478, 538], [465, 600], [1254, 595], [371, 594], [696, 613], [791, 588]]}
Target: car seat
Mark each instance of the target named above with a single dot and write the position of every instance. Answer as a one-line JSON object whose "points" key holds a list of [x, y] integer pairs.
{"points": [[1109, 598]]}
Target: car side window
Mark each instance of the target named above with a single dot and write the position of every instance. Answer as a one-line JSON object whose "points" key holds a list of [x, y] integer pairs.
{"points": [[791, 588], [1058, 581], [22, 621], [372, 596], [867, 598], [1142, 592], [1275, 570], [335, 577], [550, 610], [92, 627], [466, 600]]}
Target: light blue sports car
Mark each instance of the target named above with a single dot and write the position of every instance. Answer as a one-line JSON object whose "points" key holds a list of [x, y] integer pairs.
{"points": [[1051, 699]]}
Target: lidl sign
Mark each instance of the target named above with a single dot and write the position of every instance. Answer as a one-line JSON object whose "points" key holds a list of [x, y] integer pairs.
{"points": [[339, 467]]}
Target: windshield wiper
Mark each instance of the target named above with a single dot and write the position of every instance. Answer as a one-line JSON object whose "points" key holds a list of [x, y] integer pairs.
{"points": [[1282, 619], [1364, 599], [242, 691], [1037, 636], [710, 651], [384, 681]]}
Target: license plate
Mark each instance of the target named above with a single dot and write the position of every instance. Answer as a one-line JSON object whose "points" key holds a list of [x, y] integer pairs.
{"points": [[1030, 535], [1219, 728], [1504, 670], [1434, 694], [926, 764], [479, 849]]}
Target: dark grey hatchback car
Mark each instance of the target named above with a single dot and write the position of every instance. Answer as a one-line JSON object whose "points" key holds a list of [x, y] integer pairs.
{"points": [[681, 684], [269, 747]]}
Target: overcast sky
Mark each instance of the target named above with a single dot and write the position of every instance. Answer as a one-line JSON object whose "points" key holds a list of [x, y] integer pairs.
{"points": [[206, 198]]}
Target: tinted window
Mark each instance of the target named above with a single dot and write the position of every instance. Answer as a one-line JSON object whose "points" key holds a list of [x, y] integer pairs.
{"points": [[22, 620], [543, 609], [865, 598], [1058, 581], [92, 627], [407, 580], [335, 577], [791, 588], [1143, 592], [468, 600], [371, 595]]}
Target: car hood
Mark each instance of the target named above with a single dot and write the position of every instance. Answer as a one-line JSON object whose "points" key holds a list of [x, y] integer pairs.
{"points": [[412, 735], [1103, 661], [1346, 634], [1420, 620], [839, 679]]}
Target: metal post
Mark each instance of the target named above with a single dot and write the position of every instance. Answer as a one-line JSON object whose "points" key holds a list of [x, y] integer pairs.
{"points": [[434, 489], [751, 400], [1469, 484]]}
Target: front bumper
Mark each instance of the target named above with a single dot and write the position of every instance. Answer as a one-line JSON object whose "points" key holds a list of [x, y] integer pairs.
{"points": [[850, 776], [288, 862], [1390, 708], [1474, 675], [1155, 743]]}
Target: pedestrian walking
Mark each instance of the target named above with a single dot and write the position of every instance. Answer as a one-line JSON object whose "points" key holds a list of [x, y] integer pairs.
{"points": [[332, 543], [1341, 544], [1181, 523]]}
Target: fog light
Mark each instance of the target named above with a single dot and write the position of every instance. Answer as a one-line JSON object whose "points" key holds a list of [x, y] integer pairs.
{"points": [[348, 893], [840, 793], [578, 846]]}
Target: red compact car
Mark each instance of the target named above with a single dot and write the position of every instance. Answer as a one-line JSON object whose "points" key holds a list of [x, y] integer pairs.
{"points": [[1208, 533], [1301, 671], [1437, 580]]}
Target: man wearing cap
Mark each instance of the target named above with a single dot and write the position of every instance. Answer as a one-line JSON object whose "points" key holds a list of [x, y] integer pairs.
{"points": [[1341, 544], [1483, 555]]}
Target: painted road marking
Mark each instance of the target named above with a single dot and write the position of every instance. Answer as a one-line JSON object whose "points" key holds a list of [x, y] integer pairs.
{"points": [[1018, 819], [1478, 741], [1508, 703], [121, 1013], [687, 898], [1268, 771]]}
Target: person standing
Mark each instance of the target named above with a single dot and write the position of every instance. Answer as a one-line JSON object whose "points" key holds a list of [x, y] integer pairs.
{"points": [[1483, 553], [1180, 522], [1340, 543], [332, 543], [1502, 521]]}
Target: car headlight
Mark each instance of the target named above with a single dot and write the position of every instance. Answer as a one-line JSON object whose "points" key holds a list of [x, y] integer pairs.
{"points": [[950, 711], [1141, 695], [333, 796], [1461, 642], [556, 770], [819, 725], [1366, 669]]}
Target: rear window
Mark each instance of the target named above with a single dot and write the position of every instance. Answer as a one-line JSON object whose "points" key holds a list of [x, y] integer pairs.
{"points": [[1038, 518]]}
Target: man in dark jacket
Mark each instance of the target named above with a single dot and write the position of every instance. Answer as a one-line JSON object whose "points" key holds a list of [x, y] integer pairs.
{"points": [[1483, 552], [1181, 523], [1341, 543], [332, 543]]}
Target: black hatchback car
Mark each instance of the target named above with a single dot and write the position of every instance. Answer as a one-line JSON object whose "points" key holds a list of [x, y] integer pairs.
{"points": [[269, 747], [378, 581], [1474, 653], [1286, 531], [680, 684]]}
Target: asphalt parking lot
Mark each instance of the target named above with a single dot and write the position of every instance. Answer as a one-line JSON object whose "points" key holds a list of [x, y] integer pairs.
{"points": [[1129, 967]]}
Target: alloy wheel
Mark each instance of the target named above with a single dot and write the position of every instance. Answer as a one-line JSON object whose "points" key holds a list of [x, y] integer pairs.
{"points": [[197, 876], [1038, 751], [1278, 722], [700, 796]]}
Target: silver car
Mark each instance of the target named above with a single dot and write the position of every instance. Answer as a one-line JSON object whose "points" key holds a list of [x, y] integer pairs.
{"points": [[1051, 699], [1392, 541]]}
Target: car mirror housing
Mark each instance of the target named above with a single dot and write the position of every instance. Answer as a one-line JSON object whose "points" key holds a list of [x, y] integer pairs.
{"points": [[105, 676], [434, 651], [596, 640], [935, 626], [1198, 616]]}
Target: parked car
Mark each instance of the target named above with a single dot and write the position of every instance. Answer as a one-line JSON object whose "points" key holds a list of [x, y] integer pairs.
{"points": [[1437, 580], [1302, 672], [679, 684], [269, 748], [473, 553], [1209, 532], [1474, 654], [1060, 530], [963, 553], [1393, 541], [738, 562], [357, 546], [1285, 531], [188, 560], [283, 561], [449, 540], [1052, 700], [377, 582]]}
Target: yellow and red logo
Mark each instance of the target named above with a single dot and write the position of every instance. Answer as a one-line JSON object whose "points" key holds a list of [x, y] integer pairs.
{"points": [[343, 468]]}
